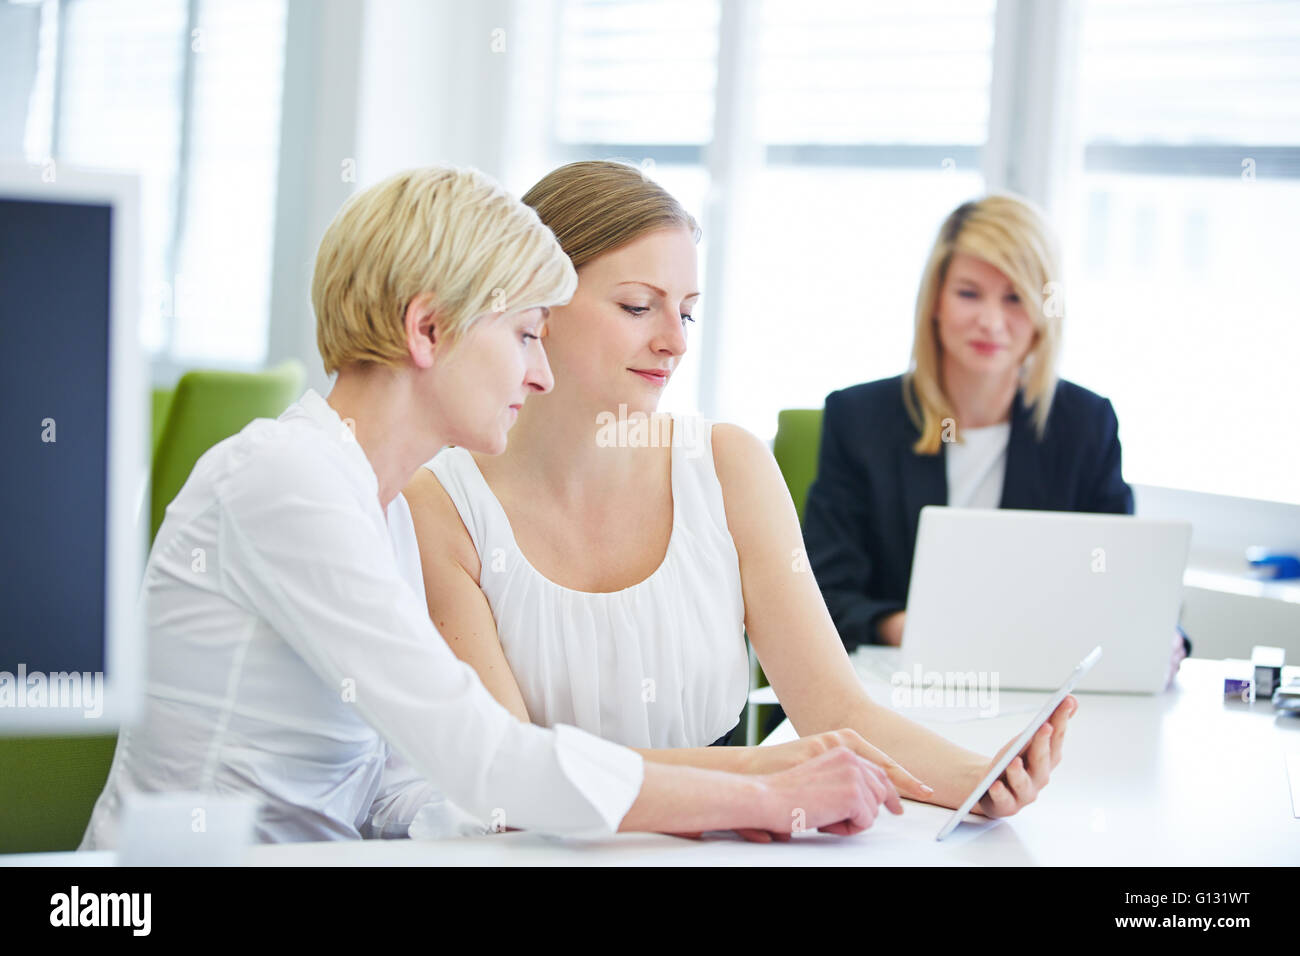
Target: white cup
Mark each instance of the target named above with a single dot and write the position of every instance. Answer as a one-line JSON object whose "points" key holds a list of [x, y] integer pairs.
{"points": [[186, 828]]}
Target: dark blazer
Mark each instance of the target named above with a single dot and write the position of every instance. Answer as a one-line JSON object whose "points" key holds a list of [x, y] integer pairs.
{"points": [[863, 509]]}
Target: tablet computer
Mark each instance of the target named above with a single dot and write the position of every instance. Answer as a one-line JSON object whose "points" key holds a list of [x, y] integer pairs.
{"points": [[1014, 750]]}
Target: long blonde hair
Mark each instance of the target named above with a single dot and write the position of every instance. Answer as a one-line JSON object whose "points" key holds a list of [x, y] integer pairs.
{"points": [[595, 206], [1010, 234]]}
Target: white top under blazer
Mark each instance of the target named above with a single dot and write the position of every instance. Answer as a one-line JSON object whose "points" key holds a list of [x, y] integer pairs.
{"points": [[662, 663], [976, 466]]}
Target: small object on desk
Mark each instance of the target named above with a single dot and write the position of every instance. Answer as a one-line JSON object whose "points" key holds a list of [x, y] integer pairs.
{"points": [[1239, 680], [1287, 697], [1279, 566], [1242, 687], [186, 828], [1267, 662]]}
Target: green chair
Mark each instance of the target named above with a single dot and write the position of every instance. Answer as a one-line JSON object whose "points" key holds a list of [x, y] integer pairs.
{"points": [[205, 408], [162, 401], [795, 447], [798, 440], [48, 786]]}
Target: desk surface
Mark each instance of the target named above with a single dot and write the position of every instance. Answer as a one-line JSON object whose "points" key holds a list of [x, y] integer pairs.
{"points": [[1182, 778]]}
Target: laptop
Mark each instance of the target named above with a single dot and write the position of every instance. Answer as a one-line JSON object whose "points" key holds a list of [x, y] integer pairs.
{"points": [[1026, 594]]}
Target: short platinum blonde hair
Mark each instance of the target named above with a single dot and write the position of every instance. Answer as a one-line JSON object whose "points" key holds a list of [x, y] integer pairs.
{"points": [[1010, 234], [449, 232]]}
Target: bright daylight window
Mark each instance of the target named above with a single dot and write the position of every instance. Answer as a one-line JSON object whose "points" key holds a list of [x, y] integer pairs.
{"points": [[636, 84], [870, 118], [193, 107], [1183, 250]]}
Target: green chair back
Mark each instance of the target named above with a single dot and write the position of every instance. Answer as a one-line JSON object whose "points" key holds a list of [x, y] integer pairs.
{"points": [[798, 440], [162, 401], [206, 408], [48, 786]]}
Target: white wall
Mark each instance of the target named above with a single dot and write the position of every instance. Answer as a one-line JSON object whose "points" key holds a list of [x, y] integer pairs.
{"points": [[1225, 612]]}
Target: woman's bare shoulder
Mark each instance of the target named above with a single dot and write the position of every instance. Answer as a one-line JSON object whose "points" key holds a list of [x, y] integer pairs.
{"points": [[736, 448], [438, 526], [747, 472]]}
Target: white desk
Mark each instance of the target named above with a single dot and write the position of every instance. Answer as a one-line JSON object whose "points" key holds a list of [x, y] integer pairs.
{"points": [[1177, 779]]}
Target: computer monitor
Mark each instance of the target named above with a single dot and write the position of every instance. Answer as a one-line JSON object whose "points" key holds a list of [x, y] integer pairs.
{"points": [[72, 487]]}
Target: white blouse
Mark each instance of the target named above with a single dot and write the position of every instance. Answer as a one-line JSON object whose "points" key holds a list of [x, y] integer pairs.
{"points": [[662, 663], [291, 658], [977, 466]]}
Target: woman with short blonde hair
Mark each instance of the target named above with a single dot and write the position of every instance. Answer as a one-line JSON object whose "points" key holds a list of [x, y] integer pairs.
{"points": [[443, 230]]}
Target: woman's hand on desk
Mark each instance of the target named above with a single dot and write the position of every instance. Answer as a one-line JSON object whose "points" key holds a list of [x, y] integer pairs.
{"points": [[1028, 774], [792, 766], [785, 756], [835, 792]]}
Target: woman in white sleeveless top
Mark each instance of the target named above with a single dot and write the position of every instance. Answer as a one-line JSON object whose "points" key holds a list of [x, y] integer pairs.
{"points": [[659, 663], [598, 574]]}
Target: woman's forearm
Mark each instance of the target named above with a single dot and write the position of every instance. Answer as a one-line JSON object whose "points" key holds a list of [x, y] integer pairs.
{"points": [[730, 759], [685, 799]]}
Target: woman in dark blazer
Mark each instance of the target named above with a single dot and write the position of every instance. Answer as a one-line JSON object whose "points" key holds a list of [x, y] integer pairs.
{"points": [[981, 409]]}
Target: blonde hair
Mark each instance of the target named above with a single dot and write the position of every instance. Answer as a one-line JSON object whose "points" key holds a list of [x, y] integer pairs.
{"points": [[595, 206], [449, 232], [1010, 234]]}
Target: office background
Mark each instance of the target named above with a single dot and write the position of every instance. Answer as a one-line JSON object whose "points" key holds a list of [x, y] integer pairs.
{"points": [[820, 142]]}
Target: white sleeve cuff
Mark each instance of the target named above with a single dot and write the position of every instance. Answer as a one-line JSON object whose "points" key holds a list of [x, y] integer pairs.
{"points": [[608, 774]]}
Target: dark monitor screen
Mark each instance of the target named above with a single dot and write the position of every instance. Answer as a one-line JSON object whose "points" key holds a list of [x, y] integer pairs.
{"points": [[54, 336]]}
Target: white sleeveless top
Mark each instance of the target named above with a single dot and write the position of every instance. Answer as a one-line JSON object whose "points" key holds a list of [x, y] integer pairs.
{"points": [[659, 664]]}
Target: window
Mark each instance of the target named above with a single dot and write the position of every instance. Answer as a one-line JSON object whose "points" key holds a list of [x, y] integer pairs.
{"points": [[867, 126], [636, 83], [1183, 239], [118, 73], [868, 122], [224, 263], [870, 119], [186, 95]]}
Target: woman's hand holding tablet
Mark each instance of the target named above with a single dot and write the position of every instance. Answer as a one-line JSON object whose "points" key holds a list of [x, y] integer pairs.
{"points": [[1013, 782]]}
